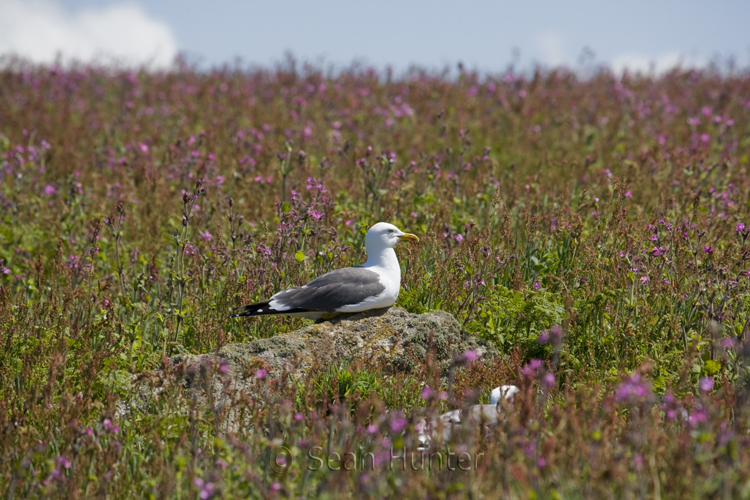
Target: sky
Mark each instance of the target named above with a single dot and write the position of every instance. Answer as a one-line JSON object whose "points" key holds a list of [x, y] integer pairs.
{"points": [[489, 36]]}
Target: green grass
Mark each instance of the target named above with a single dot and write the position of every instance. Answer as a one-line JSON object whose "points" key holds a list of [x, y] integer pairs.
{"points": [[139, 208]]}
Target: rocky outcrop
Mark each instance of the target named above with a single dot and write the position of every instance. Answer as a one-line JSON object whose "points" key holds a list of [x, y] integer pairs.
{"points": [[394, 336], [400, 338]]}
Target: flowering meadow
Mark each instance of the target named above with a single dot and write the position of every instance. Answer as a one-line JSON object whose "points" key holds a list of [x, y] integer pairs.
{"points": [[592, 228]]}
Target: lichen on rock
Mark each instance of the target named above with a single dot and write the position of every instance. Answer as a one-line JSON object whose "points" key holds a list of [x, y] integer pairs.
{"points": [[392, 337], [401, 338]]}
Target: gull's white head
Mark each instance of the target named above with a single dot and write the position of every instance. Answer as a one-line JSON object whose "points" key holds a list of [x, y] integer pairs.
{"points": [[384, 235], [507, 392]]}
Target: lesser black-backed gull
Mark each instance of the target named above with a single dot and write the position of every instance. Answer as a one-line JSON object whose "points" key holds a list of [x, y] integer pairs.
{"points": [[487, 415], [372, 285]]}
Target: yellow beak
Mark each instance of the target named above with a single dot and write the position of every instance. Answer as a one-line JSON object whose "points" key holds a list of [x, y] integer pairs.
{"points": [[408, 237]]}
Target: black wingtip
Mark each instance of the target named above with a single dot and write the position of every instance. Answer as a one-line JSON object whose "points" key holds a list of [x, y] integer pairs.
{"points": [[258, 309], [264, 309]]}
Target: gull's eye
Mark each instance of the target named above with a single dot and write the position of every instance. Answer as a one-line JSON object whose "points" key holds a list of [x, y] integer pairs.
{"points": [[390, 230]]}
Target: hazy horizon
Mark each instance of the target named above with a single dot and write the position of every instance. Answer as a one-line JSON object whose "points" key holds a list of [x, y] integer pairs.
{"points": [[433, 35]]}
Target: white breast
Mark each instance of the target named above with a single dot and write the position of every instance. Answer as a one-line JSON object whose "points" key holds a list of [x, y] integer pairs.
{"points": [[392, 283]]}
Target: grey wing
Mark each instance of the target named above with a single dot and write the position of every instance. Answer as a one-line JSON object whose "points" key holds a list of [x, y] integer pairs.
{"points": [[329, 292]]}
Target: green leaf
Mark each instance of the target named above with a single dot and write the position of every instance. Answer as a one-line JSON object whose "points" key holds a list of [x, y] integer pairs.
{"points": [[712, 367]]}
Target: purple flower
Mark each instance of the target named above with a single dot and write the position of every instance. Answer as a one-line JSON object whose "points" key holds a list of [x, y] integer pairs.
{"points": [[706, 384], [556, 332], [633, 390], [536, 285], [459, 238], [708, 249], [313, 184], [729, 343], [553, 335], [698, 416], [548, 380], [532, 369], [740, 227], [261, 374], [427, 392], [628, 194], [399, 423], [206, 236], [373, 429], [49, 190], [466, 357], [316, 215], [207, 488], [644, 279]]}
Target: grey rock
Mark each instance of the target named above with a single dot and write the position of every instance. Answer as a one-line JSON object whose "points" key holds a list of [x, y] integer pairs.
{"points": [[400, 337], [393, 335]]}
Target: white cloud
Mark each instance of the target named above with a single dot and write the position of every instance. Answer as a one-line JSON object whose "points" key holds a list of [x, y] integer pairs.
{"points": [[552, 48], [40, 30], [636, 63]]}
